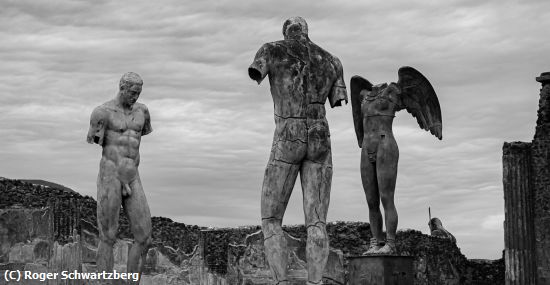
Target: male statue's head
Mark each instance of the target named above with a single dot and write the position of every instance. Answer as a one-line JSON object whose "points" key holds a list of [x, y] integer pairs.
{"points": [[129, 88], [295, 28]]}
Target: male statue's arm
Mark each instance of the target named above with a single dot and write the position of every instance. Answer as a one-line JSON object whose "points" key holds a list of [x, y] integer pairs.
{"points": [[338, 91], [98, 123], [147, 129], [258, 69]]}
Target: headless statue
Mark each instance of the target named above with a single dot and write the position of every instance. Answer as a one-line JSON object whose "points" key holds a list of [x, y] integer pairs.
{"points": [[118, 126], [302, 76], [374, 109]]}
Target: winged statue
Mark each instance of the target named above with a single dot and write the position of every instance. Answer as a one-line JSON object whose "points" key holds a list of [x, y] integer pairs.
{"points": [[374, 107]]}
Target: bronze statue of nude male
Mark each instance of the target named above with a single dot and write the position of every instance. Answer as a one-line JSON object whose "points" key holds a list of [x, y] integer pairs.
{"points": [[117, 126], [302, 76]]}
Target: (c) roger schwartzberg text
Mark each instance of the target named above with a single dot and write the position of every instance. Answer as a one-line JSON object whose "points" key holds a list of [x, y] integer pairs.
{"points": [[18, 275]]}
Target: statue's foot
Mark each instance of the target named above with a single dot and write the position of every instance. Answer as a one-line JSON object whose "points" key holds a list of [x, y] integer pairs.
{"points": [[313, 283], [374, 247], [388, 248]]}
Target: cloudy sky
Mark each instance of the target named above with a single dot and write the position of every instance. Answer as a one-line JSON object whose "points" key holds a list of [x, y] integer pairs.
{"points": [[204, 162]]}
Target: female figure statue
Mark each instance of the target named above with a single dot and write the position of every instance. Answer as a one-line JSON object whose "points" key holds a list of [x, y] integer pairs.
{"points": [[374, 108]]}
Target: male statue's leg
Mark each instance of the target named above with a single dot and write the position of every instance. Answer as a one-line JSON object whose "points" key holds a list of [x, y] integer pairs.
{"points": [[108, 208], [137, 209], [316, 180], [278, 182]]}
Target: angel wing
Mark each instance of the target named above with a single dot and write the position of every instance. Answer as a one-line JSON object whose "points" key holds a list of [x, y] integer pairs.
{"points": [[419, 98], [358, 84]]}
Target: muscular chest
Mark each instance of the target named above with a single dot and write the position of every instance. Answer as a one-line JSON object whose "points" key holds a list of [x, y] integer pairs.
{"points": [[122, 121]]}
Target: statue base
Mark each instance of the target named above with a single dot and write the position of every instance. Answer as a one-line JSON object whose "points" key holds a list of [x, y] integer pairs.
{"points": [[381, 270]]}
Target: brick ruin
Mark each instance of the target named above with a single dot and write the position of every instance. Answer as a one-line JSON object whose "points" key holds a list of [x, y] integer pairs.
{"points": [[217, 254], [526, 179]]}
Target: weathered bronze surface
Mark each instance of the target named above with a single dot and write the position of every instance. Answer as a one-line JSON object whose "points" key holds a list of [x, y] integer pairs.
{"points": [[302, 76], [117, 126], [374, 108]]}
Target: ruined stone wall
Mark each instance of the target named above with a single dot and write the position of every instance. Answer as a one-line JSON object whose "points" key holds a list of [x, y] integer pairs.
{"points": [[437, 260], [527, 200], [541, 190], [69, 207], [206, 255]]}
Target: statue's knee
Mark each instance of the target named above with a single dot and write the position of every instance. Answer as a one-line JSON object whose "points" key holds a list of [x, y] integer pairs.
{"points": [[374, 206], [387, 201], [146, 243], [108, 237], [144, 240], [271, 225], [317, 232]]}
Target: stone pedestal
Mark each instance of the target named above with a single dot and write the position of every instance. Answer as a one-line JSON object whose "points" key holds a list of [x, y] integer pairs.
{"points": [[381, 270]]}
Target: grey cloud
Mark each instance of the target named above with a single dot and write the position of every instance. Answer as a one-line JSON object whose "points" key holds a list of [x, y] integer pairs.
{"points": [[213, 126]]}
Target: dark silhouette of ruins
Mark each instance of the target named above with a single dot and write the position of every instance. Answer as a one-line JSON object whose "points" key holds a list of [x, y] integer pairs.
{"points": [[526, 178]]}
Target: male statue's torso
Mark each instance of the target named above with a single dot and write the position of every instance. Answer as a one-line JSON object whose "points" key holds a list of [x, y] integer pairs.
{"points": [[302, 76], [123, 132]]}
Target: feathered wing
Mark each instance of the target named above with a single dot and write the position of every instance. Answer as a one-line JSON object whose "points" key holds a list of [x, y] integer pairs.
{"points": [[419, 98], [357, 84]]}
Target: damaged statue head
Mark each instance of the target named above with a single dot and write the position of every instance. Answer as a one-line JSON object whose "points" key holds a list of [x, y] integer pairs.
{"points": [[302, 77], [117, 126], [437, 230]]}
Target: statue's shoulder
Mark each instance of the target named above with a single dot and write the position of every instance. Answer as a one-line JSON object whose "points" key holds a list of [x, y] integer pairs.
{"points": [[275, 44], [336, 62], [103, 110], [142, 107], [108, 106], [326, 55], [269, 47]]}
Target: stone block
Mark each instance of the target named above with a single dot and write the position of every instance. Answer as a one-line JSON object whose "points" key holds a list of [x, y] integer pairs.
{"points": [[35, 268], [87, 267], [27, 251], [158, 263], [41, 251], [89, 253], [381, 270], [159, 279], [15, 253], [121, 250], [19, 225]]}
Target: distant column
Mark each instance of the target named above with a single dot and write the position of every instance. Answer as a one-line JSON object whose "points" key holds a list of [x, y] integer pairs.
{"points": [[519, 235], [541, 185]]}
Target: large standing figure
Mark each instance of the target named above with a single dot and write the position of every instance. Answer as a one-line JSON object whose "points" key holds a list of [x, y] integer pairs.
{"points": [[302, 76], [118, 126], [374, 108]]}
